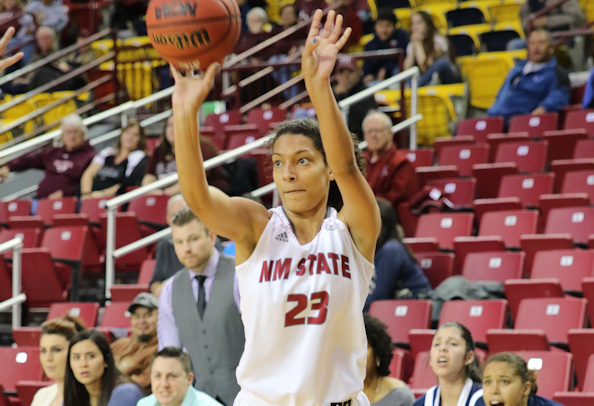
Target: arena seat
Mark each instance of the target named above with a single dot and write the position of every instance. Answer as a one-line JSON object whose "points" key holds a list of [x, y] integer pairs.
{"points": [[562, 166], [480, 128], [437, 266], [464, 157], [420, 157], [421, 245], [482, 206], [581, 345], [423, 376], [127, 292], [219, 121], [26, 390], [588, 290], [534, 125], [420, 341], [115, 322], [584, 149], [26, 222], [465, 245], [263, 117], [442, 142], [496, 139], [488, 177], [41, 280], [19, 364], [19, 207], [31, 237], [428, 173], [465, 16], [93, 207], [529, 156], [554, 370], [517, 290], [151, 211], [477, 315], [401, 316], [5, 281], [552, 201], [238, 139], [127, 231], [533, 243], [497, 39], [580, 119], [507, 11], [562, 143], [47, 208], [397, 364], [493, 266], [568, 266], [577, 221], [579, 182], [444, 227], [527, 188], [463, 41], [509, 224], [460, 191]]}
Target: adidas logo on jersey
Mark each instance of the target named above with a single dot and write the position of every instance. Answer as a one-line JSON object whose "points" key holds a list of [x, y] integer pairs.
{"points": [[283, 237]]}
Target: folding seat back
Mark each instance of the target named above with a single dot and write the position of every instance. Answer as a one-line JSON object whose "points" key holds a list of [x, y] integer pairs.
{"points": [[41, 282], [579, 182], [420, 157], [533, 243], [461, 192], [562, 143], [445, 227], [527, 187], [493, 266], [494, 140], [72, 244], [150, 209], [146, 271], [510, 225], [556, 316], [548, 202], [428, 173], [580, 119], [14, 208], [568, 266], [219, 121], [19, 364], [116, 316], [529, 156], [488, 177], [583, 149], [401, 316], [518, 290], [423, 376], [495, 41], [5, 282], [466, 245], [86, 311], [94, 208], [30, 237], [127, 231], [554, 370], [397, 364], [482, 206], [480, 128], [437, 266], [442, 142], [577, 221], [581, 345], [238, 139], [264, 117], [464, 157], [463, 43], [477, 315], [26, 390], [562, 166], [47, 208], [535, 126], [588, 290]]}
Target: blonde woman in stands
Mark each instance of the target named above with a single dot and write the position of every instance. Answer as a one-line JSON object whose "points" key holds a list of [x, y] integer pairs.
{"points": [[55, 335], [453, 360], [507, 381]]}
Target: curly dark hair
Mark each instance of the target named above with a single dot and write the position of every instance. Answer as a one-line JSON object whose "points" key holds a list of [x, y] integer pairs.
{"points": [[380, 341], [311, 129]]}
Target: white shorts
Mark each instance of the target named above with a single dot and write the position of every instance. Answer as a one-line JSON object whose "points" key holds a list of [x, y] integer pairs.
{"points": [[245, 398]]}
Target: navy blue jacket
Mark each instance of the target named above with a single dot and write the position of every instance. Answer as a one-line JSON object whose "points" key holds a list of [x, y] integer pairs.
{"points": [[520, 94], [399, 39], [474, 397]]}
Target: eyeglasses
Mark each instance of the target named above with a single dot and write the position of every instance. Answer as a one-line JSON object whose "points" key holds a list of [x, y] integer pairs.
{"points": [[375, 130]]}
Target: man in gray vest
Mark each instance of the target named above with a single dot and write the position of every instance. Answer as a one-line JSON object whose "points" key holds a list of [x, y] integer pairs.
{"points": [[199, 309]]}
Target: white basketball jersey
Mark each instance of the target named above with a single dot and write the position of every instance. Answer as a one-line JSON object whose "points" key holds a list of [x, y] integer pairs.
{"points": [[302, 309]]}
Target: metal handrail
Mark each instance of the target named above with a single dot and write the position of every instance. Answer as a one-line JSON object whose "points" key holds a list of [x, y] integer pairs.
{"points": [[18, 297]]}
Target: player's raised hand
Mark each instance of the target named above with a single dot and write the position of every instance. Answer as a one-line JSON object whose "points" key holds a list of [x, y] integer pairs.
{"points": [[322, 47], [5, 63], [190, 91]]}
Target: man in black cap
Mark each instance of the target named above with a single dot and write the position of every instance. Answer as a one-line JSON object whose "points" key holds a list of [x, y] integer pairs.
{"points": [[133, 354]]}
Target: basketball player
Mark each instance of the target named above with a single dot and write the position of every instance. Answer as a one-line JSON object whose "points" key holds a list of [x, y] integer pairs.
{"points": [[5, 63], [303, 268]]}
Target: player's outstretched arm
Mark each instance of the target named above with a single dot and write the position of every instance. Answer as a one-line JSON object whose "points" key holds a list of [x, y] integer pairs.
{"points": [[238, 219], [360, 211], [5, 63]]}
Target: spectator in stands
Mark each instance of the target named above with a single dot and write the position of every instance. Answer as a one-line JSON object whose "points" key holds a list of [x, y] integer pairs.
{"points": [[397, 274], [536, 85], [430, 52], [259, 31], [133, 355], [49, 13], [453, 360], [85, 54], [389, 172], [167, 264], [55, 335], [162, 162], [508, 381], [350, 81], [92, 377], [115, 169], [171, 381], [204, 318], [63, 165], [24, 27], [380, 388], [387, 36], [588, 100]]}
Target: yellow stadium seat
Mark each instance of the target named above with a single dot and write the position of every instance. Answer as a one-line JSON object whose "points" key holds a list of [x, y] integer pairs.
{"points": [[18, 111], [510, 25], [5, 136], [56, 114], [421, 3], [508, 11], [484, 6], [473, 31], [403, 15], [437, 13], [588, 6]]}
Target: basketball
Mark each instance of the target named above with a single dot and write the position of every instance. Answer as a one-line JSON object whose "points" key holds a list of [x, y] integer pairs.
{"points": [[192, 34]]}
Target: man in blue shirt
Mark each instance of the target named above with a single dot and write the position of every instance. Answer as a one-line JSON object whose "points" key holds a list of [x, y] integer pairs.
{"points": [[387, 36], [534, 86]]}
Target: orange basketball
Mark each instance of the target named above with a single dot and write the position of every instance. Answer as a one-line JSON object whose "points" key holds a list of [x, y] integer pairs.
{"points": [[192, 34]]}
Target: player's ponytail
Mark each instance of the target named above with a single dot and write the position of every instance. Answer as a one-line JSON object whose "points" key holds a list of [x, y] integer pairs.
{"points": [[311, 129], [473, 370]]}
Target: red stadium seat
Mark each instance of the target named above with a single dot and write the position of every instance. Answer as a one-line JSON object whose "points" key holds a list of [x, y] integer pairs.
{"points": [[420, 157], [482, 206], [581, 345], [588, 290], [19, 364], [493, 266], [116, 319], [26, 390], [464, 157], [553, 201], [562, 166], [480, 128], [533, 243], [14, 208], [510, 225], [444, 227], [577, 221], [219, 121], [423, 376], [494, 140], [47, 208], [262, 118], [127, 231], [535, 126], [530, 156], [30, 237], [397, 364], [586, 396], [517, 290], [401, 316], [442, 142], [488, 177], [151, 210], [579, 182], [562, 143], [127, 292], [242, 138], [568, 266], [477, 315], [465, 245], [421, 245], [428, 173], [408, 220], [5, 281], [580, 119], [527, 187], [554, 370], [26, 222], [41, 281], [437, 266], [420, 341], [93, 208], [584, 149], [461, 192]]}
